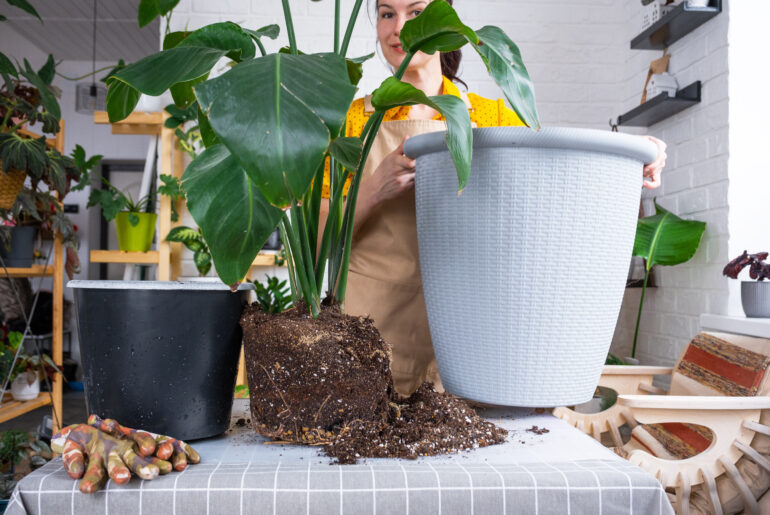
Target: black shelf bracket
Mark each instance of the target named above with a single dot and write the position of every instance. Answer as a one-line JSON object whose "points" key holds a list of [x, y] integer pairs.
{"points": [[675, 25], [661, 107]]}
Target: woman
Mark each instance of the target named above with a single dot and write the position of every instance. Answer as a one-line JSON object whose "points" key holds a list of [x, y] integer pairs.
{"points": [[384, 277]]}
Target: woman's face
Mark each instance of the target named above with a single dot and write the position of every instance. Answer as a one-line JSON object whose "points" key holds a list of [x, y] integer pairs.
{"points": [[391, 16]]}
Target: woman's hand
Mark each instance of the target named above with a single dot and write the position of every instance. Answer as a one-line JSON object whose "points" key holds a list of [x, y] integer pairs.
{"points": [[652, 170], [393, 176]]}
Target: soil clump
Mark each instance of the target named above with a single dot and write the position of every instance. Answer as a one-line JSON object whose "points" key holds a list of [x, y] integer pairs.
{"points": [[327, 382]]}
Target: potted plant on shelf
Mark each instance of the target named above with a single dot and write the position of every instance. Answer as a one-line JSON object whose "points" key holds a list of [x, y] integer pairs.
{"points": [[755, 295], [21, 370], [254, 175], [20, 453]]}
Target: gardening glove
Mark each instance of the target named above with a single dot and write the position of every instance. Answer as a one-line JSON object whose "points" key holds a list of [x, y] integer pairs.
{"points": [[164, 447], [104, 452]]}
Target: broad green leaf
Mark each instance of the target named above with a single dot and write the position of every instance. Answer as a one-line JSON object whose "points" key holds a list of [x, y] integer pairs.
{"points": [[121, 100], [277, 115], [165, 6], [356, 68], [394, 93], [183, 92], [437, 28], [111, 204], [234, 217], [347, 151], [268, 31], [172, 39], [148, 10], [503, 60], [156, 73], [25, 6], [182, 234], [6, 66], [23, 154], [223, 36], [46, 73], [666, 239], [202, 261], [47, 97]]}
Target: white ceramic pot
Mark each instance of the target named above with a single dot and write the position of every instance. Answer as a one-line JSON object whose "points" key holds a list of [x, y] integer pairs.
{"points": [[22, 390], [151, 104], [755, 298], [524, 272]]}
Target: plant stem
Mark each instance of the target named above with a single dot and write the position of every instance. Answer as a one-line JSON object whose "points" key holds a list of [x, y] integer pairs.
{"points": [[306, 272], [351, 24], [289, 261], [336, 26], [296, 251], [108, 67], [261, 47], [639, 315], [289, 27]]}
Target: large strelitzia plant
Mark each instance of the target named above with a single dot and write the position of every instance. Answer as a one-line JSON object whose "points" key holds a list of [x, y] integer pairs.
{"points": [[270, 122]]}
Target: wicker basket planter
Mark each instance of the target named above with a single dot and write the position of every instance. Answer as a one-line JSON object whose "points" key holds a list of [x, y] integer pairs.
{"points": [[10, 186], [524, 272]]}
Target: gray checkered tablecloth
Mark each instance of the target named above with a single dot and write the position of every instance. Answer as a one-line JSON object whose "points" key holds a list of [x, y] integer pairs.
{"points": [[561, 472]]}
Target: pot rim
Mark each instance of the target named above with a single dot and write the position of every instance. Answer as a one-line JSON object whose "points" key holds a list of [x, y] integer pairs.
{"points": [[215, 285], [567, 138]]}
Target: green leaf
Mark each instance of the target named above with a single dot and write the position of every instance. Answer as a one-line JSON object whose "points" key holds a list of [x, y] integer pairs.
{"points": [[202, 262], [437, 28], [233, 216], [111, 203], [165, 6], [148, 10], [208, 136], [2, 18], [27, 154], [172, 39], [47, 71], [182, 234], [356, 68], [262, 109], [223, 36], [347, 151], [25, 6], [121, 100], [665, 239], [394, 93], [133, 219], [47, 97], [183, 92], [7, 66], [503, 60], [268, 31]]}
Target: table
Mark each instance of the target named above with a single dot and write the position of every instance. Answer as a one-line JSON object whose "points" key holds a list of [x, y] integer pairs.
{"points": [[562, 471]]}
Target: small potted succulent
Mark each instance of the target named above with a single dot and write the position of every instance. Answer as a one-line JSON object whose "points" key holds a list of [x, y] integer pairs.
{"points": [[755, 295]]}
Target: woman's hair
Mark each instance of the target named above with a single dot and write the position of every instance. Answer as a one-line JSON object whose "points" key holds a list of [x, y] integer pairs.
{"points": [[450, 61]]}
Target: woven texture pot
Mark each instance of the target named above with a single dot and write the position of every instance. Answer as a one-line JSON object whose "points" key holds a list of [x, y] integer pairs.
{"points": [[524, 272], [755, 298], [10, 186]]}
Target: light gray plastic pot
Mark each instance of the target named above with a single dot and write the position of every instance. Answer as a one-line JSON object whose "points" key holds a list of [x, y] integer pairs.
{"points": [[755, 297], [524, 272]]}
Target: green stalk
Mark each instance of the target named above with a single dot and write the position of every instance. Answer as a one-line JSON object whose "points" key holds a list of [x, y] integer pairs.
{"points": [[296, 251], [289, 27], [289, 262], [307, 273], [260, 46], [373, 126], [639, 315], [351, 24], [336, 26], [314, 211]]}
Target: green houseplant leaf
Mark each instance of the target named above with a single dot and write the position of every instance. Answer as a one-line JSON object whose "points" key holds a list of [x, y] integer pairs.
{"points": [[347, 151], [25, 6], [233, 216], [503, 60], [392, 92], [283, 99], [664, 239], [437, 28]]}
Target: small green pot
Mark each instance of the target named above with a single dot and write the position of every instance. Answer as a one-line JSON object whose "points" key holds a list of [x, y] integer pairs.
{"points": [[135, 238]]}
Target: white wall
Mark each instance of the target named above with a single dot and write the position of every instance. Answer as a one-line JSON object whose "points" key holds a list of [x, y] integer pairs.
{"points": [[695, 186]]}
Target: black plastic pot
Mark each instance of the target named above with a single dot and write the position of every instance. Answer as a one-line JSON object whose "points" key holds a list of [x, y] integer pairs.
{"points": [[21, 253], [160, 356]]}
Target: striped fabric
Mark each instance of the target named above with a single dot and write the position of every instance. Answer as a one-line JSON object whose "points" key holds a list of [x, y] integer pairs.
{"points": [[727, 368], [673, 440]]}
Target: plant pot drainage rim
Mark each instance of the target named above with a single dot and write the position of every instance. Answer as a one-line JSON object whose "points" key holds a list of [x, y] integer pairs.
{"points": [[565, 138], [157, 285]]}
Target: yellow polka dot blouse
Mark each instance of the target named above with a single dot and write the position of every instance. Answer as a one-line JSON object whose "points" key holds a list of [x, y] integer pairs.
{"points": [[484, 113]]}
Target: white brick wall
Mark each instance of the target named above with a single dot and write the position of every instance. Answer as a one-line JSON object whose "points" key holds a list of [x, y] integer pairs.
{"points": [[695, 186]]}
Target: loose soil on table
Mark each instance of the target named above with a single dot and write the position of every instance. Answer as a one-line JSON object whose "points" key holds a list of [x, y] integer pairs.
{"points": [[327, 381]]}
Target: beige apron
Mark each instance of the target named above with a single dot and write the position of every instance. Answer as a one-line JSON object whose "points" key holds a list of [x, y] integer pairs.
{"points": [[384, 278]]}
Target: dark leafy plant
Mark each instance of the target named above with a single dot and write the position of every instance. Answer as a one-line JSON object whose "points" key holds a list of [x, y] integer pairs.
{"points": [[664, 239], [758, 269], [269, 124], [16, 447], [193, 240], [273, 296]]}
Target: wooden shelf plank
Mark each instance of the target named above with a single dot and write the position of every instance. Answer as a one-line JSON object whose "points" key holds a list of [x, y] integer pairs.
{"points": [[12, 408], [33, 271], [661, 107], [118, 256], [265, 259], [676, 24], [135, 123]]}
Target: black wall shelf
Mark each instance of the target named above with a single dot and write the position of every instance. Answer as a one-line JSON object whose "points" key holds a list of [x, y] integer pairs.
{"points": [[674, 25], [661, 107]]}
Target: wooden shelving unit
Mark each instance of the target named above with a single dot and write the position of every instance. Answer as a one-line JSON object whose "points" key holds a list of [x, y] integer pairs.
{"points": [[673, 26], [11, 408], [661, 107]]}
